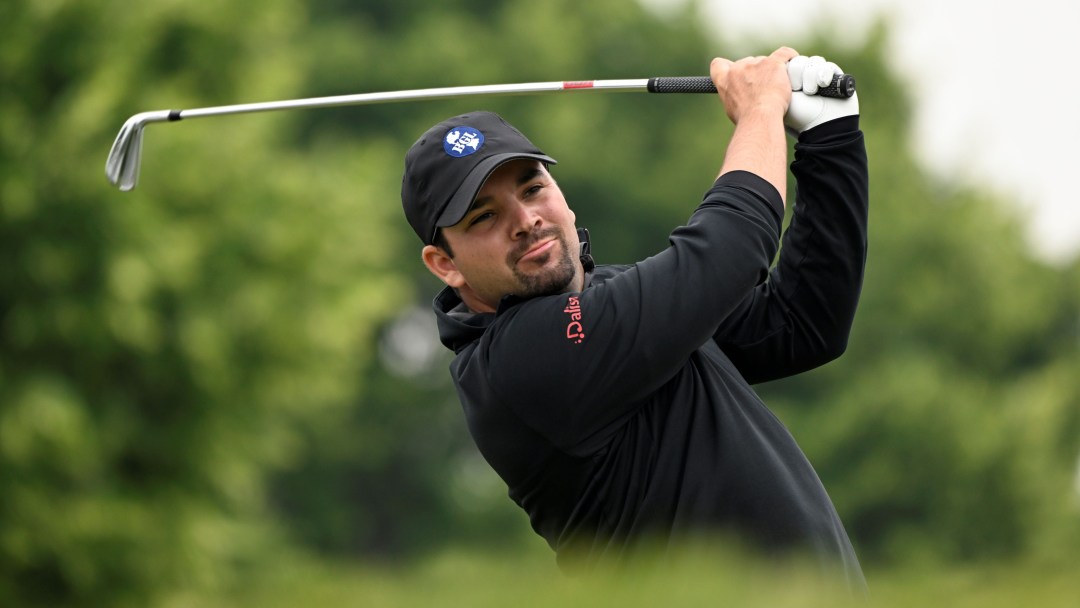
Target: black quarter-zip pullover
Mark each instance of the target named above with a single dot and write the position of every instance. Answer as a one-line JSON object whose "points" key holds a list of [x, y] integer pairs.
{"points": [[625, 412]]}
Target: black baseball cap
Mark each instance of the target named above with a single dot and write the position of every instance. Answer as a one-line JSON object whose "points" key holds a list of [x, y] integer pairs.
{"points": [[449, 164]]}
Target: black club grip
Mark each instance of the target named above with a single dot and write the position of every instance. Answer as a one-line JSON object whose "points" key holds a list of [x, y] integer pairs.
{"points": [[841, 87]]}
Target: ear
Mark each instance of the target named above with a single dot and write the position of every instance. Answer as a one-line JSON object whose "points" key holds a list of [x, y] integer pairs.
{"points": [[442, 265]]}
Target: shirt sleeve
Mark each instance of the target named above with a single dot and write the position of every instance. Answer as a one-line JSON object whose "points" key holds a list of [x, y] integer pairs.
{"points": [[573, 366], [801, 317]]}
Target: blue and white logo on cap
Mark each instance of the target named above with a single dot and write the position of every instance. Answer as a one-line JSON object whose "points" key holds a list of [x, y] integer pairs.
{"points": [[462, 141]]}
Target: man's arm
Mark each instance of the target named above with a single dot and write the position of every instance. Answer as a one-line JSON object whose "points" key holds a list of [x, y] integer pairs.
{"points": [[801, 317], [755, 93]]}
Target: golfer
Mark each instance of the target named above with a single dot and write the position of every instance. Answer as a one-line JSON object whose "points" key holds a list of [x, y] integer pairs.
{"points": [[616, 401]]}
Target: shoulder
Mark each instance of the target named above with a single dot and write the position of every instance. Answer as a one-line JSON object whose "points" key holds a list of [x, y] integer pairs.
{"points": [[607, 271]]}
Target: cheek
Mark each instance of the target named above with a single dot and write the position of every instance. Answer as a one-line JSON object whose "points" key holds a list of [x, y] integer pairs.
{"points": [[563, 208], [482, 262]]}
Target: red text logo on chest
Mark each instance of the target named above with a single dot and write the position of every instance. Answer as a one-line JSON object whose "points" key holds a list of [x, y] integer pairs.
{"points": [[575, 332]]}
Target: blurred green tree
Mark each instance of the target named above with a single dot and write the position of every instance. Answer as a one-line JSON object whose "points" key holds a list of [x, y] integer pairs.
{"points": [[158, 348]]}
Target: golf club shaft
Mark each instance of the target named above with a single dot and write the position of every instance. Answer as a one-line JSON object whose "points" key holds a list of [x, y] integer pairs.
{"points": [[681, 84], [122, 165]]}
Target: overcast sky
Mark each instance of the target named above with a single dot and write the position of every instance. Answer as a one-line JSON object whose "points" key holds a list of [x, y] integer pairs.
{"points": [[1005, 110]]}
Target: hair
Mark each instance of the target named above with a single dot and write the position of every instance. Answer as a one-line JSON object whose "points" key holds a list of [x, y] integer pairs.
{"points": [[441, 242]]}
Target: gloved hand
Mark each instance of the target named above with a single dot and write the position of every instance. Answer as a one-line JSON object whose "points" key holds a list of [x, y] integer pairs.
{"points": [[807, 110]]}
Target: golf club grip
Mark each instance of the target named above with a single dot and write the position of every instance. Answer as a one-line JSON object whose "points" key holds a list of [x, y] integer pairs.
{"points": [[841, 87]]}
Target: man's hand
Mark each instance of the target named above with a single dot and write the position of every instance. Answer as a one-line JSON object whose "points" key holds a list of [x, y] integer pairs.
{"points": [[806, 109], [753, 84]]}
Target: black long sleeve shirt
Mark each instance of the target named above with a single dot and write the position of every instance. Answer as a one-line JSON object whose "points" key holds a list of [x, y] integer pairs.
{"points": [[625, 412]]}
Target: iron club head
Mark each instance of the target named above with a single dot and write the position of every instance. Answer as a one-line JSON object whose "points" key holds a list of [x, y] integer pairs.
{"points": [[122, 165]]}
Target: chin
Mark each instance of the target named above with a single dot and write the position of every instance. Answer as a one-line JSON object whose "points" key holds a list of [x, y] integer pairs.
{"points": [[553, 283]]}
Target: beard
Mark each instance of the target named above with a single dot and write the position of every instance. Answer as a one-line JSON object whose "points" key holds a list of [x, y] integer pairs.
{"points": [[547, 280]]}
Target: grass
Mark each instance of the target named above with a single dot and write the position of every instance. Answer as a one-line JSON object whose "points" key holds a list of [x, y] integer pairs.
{"points": [[530, 579]]}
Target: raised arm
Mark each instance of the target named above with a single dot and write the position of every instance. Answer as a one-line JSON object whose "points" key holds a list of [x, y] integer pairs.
{"points": [[756, 95], [801, 317]]}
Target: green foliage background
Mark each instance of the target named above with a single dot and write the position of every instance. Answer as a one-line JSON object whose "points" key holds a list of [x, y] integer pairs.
{"points": [[230, 370]]}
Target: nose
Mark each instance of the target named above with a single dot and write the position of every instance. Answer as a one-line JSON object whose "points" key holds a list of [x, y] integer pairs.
{"points": [[526, 220]]}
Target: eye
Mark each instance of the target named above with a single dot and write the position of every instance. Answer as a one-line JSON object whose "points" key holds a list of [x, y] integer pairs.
{"points": [[532, 190], [481, 217]]}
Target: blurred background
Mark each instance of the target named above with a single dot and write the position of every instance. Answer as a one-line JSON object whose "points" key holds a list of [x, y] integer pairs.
{"points": [[225, 387]]}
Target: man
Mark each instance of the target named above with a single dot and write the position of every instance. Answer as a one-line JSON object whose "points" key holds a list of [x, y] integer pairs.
{"points": [[615, 402]]}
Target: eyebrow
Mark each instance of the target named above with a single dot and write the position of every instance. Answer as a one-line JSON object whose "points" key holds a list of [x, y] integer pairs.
{"points": [[527, 175]]}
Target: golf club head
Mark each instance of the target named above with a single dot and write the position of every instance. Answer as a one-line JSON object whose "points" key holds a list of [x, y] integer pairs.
{"points": [[122, 165]]}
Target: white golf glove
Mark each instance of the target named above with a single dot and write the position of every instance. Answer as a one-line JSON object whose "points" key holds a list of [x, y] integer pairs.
{"points": [[807, 109]]}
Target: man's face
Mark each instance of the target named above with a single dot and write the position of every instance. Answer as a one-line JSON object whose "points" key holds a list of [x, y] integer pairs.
{"points": [[518, 238]]}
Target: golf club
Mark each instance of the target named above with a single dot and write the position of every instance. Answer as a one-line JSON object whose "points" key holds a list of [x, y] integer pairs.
{"points": [[122, 165]]}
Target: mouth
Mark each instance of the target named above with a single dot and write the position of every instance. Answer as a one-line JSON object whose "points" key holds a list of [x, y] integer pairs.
{"points": [[537, 251]]}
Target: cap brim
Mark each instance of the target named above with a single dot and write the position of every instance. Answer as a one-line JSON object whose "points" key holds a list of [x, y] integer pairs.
{"points": [[466, 193]]}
